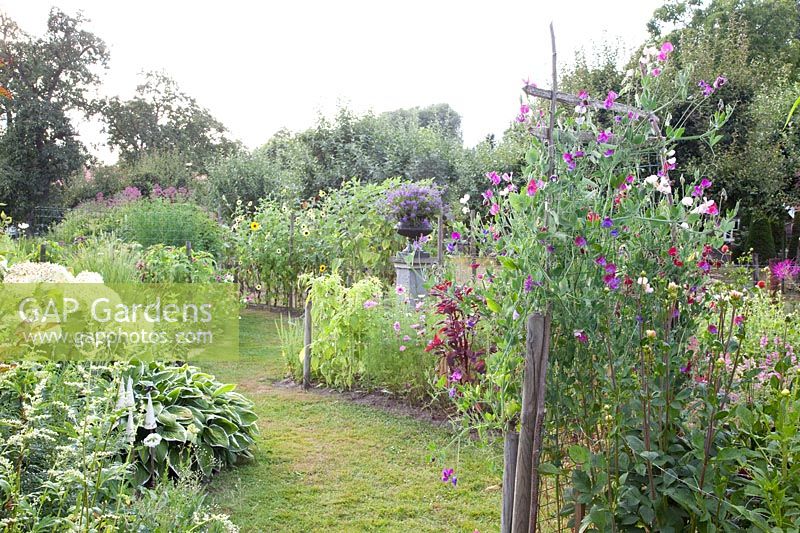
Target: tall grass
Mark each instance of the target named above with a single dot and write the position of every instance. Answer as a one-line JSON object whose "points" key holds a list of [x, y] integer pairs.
{"points": [[113, 259]]}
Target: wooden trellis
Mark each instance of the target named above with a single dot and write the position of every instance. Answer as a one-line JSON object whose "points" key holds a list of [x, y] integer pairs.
{"points": [[523, 450]]}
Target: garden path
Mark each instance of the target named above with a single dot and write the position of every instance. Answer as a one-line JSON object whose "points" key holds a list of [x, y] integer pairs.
{"points": [[325, 463]]}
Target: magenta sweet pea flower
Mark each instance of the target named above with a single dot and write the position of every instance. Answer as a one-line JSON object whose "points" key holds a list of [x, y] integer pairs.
{"points": [[603, 136], [583, 95], [610, 99], [456, 235], [494, 209], [528, 285], [569, 159], [666, 48], [494, 177], [580, 241], [581, 336]]}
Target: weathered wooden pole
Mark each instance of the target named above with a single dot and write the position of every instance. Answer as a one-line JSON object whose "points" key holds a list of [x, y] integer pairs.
{"points": [[510, 446], [189, 249], [291, 257], [307, 342], [541, 355], [535, 343], [756, 273], [42, 253]]}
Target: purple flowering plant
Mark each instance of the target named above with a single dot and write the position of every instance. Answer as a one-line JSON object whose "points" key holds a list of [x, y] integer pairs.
{"points": [[620, 255], [414, 204]]}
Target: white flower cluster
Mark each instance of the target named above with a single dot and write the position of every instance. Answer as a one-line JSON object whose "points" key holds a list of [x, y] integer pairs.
{"points": [[47, 273]]}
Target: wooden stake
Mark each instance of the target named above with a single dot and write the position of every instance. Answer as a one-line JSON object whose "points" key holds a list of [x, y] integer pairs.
{"points": [[510, 447], [307, 341], [535, 344], [551, 146], [42, 253], [189, 249], [541, 357]]}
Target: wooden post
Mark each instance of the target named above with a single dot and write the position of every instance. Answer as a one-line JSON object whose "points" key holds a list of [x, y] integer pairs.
{"points": [[291, 256], [189, 249], [541, 340], [580, 512], [756, 273], [43, 253], [307, 341], [537, 328], [510, 446]]}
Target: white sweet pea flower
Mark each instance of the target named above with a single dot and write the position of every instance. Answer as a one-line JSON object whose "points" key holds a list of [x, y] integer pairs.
{"points": [[23, 226], [664, 186], [465, 210], [687, 201], [464, 199], [652, 179], [685, 225]]}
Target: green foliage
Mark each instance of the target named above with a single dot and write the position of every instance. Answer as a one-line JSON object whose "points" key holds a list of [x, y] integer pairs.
{"points": [[247, 177], [49, 77], [760, 239], [107, 255], [162, 119], [147, 222], [203, 424], [343, 227], [361, 337], [169, 264], [159, 221], [66, 462]]}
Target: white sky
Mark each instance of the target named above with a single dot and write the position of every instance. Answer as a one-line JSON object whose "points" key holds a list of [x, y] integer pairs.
{"points": [[261, 66]]}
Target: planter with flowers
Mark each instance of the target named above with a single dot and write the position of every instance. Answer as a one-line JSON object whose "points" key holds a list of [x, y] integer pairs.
{"points": [[414, 206]]}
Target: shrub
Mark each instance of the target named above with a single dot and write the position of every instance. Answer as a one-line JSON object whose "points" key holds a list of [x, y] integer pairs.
{"points": [[760, 239]]}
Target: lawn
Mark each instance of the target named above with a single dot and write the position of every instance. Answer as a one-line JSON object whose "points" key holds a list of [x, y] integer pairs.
{"points": [[324, 463]]}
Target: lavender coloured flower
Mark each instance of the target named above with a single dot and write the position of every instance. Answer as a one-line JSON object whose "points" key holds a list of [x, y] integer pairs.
{"points": [[413, 203]]}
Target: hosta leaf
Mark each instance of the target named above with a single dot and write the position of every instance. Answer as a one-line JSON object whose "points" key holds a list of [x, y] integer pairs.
{"points": [[215, 436], [173, 432]]}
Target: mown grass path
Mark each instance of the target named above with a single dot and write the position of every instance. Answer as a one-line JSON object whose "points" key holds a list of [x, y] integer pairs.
{"points": [[325, 463]]}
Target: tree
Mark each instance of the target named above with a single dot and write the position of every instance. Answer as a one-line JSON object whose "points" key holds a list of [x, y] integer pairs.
{"points": [[162, 118], [48, 77]]}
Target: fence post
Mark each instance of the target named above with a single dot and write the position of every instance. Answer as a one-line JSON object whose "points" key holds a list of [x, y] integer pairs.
{"points": [[43, 253], [525, 493], [510, 446], [291, 256], [756, 273], [189, 249], [307, 341]]}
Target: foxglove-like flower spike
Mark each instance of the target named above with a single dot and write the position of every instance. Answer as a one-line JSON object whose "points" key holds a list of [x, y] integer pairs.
{"points": [[130, 400], [130, 429], [149, 415]]}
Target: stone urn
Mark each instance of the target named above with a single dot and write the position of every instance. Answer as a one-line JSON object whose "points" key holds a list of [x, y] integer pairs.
{"points": [[413, 232]]}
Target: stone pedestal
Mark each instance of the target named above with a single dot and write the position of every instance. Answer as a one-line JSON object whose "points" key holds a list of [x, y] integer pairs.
{"points": [[410, 274]]}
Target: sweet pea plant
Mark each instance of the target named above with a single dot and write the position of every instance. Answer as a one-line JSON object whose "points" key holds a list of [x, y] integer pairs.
{"points": [[603, 234]]}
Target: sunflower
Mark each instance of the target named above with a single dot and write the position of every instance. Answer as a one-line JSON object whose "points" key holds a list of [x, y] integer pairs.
{"points": [[323, 268], [306, 233], [258, 288], [255, 226]]}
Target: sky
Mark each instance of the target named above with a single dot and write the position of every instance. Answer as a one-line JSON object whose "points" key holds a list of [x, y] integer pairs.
{"points": [[262, 66]]}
